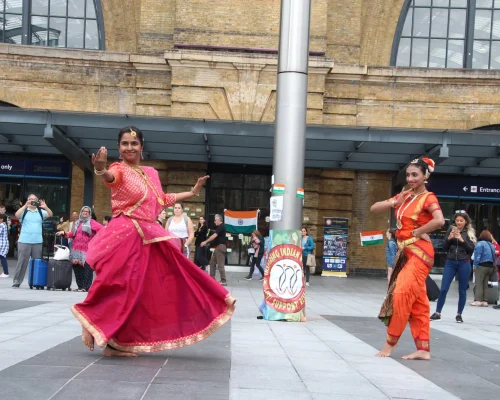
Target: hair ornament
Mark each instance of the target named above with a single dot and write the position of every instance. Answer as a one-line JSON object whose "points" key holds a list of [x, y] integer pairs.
{"points": [[430, 164], [133, 133]]}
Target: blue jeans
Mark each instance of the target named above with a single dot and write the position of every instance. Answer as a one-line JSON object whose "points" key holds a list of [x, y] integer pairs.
{"points": [[5, 266], [450, 270]]}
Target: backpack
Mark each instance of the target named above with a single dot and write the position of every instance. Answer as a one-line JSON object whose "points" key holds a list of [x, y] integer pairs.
{"points": [[26, 212]]}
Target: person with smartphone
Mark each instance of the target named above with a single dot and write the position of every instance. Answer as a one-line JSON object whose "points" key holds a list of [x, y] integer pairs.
{"points": [[459, 243], [30, 240]]}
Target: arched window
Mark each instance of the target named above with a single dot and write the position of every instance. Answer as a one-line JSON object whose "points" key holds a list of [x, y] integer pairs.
{"points": [[448, 34], [55, 23]]}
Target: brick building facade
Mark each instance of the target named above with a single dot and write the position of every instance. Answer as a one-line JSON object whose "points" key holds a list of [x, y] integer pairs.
{"points": [[213, 60]]}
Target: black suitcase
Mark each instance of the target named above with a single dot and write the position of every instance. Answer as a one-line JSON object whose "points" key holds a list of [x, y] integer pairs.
{"points": [[432, 289], [59, 274]]}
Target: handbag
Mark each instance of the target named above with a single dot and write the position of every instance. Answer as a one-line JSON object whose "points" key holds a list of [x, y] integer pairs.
{"points": [[311, 261], [61, 253]]}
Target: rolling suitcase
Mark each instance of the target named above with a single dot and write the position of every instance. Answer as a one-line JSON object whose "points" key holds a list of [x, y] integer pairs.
{"points": [[59, 275], [37, 273], [432, 289]]}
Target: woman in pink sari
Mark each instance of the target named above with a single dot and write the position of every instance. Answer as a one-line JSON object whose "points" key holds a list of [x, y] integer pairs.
{"points": [[147, 296]]}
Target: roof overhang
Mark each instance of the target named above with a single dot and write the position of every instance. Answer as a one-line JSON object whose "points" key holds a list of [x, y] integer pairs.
{"points": [[77, 135]]}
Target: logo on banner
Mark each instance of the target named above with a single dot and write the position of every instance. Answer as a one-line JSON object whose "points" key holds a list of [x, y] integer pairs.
{"points": [[284, 288]]}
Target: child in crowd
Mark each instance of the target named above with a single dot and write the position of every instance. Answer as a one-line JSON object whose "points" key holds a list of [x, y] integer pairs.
{"points": [[4, 245]]}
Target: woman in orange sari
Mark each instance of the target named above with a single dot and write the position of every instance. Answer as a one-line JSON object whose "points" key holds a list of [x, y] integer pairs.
{"points": [[417, 214]]}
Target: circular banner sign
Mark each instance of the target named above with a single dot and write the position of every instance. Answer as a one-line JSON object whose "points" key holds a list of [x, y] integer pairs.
{"points": [[284, 287]]}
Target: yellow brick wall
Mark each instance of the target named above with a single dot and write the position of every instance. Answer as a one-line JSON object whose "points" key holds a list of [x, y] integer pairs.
{"points": [[240, 23]]}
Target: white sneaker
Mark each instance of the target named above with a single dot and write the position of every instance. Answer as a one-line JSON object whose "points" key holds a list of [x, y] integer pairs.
{"points": [[4, 276], [307, 284]]}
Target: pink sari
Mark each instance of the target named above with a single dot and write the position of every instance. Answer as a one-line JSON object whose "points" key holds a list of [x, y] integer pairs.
{"points": [[147, 296]]}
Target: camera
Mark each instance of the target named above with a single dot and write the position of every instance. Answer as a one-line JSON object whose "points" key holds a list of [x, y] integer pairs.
{"points": [[35, 203]]}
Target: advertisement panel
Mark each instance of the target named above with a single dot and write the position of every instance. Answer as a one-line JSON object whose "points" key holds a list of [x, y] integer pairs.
{"points": [[335, 246], [284, 279]]}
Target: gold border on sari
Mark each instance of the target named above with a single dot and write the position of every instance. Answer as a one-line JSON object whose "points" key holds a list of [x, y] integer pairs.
{"points": [[422, 344], [143, 237], [101, 340]]}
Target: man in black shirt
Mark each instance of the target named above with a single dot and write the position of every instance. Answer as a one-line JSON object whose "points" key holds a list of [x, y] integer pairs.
{"points": [[219, 254]]}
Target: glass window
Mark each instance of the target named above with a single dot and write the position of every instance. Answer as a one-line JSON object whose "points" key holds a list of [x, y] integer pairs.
{"points": [[437, 57], [57, 29], [438, 34], [58, 8], [12, 29], [54, 23], [75, 33], [484, 3], [419, 53], [40, 7], [76, 8], [439, 22], [481, 52], [404, 53], [14, 6]]}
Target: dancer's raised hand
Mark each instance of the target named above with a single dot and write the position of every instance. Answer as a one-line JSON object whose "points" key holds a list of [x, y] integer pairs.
{"points": [[199, 184], [100, 159]]}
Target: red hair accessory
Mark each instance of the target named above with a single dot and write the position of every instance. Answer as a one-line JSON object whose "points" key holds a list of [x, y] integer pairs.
{"points": [[430, 163]]}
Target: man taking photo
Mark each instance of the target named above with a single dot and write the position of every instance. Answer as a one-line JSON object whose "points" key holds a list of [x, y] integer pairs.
{"points": [[30, 241]]}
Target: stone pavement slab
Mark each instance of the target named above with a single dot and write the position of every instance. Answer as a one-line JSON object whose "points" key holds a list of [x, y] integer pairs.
{"points": [[248, 358]]}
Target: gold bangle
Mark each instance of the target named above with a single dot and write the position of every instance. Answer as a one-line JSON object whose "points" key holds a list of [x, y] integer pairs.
{"points": [[101, 172], [196, 194]]}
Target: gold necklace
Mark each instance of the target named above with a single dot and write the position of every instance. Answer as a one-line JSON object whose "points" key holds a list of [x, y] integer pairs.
{"points": [[399, 213], [144, 176]]}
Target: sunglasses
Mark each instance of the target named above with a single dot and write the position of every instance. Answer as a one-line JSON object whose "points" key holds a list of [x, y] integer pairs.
{"points": [[460, 212]]}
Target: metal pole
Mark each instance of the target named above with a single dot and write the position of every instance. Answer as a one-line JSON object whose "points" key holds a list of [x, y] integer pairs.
{"points": [[291, 107]]}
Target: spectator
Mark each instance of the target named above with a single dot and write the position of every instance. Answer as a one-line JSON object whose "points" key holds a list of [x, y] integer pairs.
{"points": [[258, 246], [200, 253], [63, 226], [182, 227], [74, 218], [3, 210], [30, 241], [105, 220], [307, 248], [390, 251], [85, 229], [4, 245], [162, 217], [219, 255], [484, 260], [459, 243]]}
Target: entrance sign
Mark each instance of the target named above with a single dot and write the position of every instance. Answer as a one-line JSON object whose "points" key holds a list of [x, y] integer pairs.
{"points": [[335, 246]]}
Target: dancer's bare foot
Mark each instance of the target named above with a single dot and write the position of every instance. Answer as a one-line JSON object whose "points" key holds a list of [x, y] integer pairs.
{"points": [[418, 355], [109, 352], [386, 350], [87, 339]]}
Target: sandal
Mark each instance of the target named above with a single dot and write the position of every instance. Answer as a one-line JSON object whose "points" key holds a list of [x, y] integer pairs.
{"points": [[476, 304], [484, 304]]}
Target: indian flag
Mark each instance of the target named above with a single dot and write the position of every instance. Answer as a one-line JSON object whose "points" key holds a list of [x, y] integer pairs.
{"points": [[240, 221], [371, 238]]}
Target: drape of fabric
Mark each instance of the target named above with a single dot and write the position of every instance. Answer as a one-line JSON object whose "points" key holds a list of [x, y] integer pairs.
{"points": [[147, 296], [406, 298]]}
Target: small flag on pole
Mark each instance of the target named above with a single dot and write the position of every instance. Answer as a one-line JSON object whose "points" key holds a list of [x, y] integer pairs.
{"points": [[371, 238], [300, 193], [279, 188]]}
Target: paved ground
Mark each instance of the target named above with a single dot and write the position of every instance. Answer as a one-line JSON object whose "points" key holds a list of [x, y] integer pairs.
{"points": [[329, 357]]}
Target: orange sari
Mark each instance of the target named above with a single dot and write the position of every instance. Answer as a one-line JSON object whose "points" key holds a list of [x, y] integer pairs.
{"points": [[407, 295]]}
